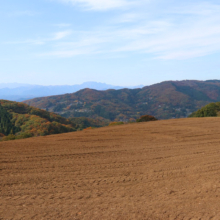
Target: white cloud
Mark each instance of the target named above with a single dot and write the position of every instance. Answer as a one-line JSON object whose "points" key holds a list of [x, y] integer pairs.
{"points": [[202, 8], [67, 53], [29, 42], [176, 32], [100, 4], [85, 43], [61, 35], [194, 36], [54, 37], [127, 18]]}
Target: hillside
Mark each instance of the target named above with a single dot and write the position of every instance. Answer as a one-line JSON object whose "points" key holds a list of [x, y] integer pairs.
{"points": [[210, 110], [18, 120], [170, 99], [161, 170]]}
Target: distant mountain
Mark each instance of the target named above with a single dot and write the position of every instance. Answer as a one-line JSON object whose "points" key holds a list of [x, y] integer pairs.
{"points": [[170, 99], [20, 92]]}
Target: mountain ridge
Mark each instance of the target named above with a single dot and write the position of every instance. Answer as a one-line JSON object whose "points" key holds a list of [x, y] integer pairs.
{"points": [[168, 99], [21, 92]]}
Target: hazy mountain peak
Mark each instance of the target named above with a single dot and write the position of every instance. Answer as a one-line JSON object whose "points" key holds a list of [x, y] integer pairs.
{"points": [[20, 92]]}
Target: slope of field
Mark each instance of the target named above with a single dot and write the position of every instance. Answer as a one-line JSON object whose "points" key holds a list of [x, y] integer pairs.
{"points": [[154, 170], [163, 100]]}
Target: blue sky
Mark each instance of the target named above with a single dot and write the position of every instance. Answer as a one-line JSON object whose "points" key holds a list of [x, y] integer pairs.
{"points": [[119, 42]]}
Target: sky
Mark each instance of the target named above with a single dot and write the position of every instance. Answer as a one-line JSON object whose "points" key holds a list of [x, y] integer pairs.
{"points": [[119, 42]]}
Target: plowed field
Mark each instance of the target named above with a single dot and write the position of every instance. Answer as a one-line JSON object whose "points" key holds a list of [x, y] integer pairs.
{"points": [[156, 170]]}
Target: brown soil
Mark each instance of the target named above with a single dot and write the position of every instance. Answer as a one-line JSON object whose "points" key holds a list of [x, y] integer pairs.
{"points": [[154, 170]]}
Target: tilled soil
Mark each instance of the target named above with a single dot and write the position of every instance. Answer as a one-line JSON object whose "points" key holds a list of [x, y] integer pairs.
{"points": [[156, 170]]}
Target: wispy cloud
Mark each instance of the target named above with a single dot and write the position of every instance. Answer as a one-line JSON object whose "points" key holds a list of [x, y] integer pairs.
{"points": [[29, 42], [203, 8], [57, 36], [100, 4], [80, 43], [177, 32], [61, 35], [127, 18], [67, 53], [194, 36]]}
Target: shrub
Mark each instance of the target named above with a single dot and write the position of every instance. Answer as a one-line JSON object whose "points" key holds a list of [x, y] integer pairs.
{"points": [[116, 123], [87, 128], [9, 137], [144, 118], [23, 135]]}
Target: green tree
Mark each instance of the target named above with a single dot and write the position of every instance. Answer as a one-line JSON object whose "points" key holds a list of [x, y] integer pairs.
{"points": [[6, 126]]}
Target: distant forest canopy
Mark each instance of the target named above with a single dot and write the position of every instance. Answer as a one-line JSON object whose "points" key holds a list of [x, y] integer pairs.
{"points": [[210, 110], [170, 99], [18, 120]]}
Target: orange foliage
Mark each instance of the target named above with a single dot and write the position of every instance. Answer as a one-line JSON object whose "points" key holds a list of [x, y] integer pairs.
{"points": [[87, 128]]}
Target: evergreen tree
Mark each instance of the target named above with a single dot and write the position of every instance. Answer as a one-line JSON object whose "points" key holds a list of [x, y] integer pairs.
{"points": [[6, 126]]}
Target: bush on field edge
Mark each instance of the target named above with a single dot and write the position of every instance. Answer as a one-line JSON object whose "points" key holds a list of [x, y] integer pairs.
{"points": [[116, 123], [144, 118]]}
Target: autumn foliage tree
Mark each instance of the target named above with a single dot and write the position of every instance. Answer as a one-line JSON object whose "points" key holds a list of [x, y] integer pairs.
{"points": [[18, 120], [145, 118]]}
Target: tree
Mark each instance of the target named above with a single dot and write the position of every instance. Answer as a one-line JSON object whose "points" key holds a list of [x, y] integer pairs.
{"points": [[6, 126], [144, 118]]}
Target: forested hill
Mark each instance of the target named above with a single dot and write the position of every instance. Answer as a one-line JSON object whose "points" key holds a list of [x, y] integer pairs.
{"points": [[18, 120], [210, 110], [163, 100]]}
